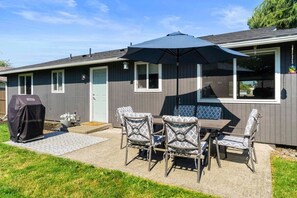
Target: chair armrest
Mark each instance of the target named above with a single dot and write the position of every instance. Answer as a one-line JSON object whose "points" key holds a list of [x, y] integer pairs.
{"points": [[235, 134], [207, 135], [158, 132]]}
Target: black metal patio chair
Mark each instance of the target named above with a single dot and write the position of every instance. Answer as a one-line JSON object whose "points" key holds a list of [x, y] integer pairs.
{"points": [[119, 115], [140, 134], [182, 139], [244, 141]]}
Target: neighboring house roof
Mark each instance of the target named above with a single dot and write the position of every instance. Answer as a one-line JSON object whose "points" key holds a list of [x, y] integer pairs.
{"points": [[253, 37], [95, 58], [245, 38]]}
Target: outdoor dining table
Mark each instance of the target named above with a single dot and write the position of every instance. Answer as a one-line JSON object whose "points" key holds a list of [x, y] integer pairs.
{"points": [[212, 127]]}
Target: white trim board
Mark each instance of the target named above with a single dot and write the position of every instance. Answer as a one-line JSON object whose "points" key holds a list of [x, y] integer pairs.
{"points": [[257, 42]]}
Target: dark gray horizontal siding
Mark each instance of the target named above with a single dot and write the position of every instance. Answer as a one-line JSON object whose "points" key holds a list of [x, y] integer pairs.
{"points": [[121, 90], [74, 99]]}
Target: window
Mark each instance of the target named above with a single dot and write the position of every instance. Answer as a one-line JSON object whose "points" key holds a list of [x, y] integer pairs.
{"points": [[217, 80], [252, 79], [147, 77], [25, 84], [255, 76], [58, 81]]}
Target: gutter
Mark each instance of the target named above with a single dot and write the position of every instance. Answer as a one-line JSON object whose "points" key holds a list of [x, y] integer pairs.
{"points": [[258, 42], [75, 64]]}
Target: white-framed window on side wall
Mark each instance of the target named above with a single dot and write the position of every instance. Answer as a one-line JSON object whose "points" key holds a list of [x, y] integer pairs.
{"points": [[255, 79], [25, 84], [148, 77], [58, 81]]}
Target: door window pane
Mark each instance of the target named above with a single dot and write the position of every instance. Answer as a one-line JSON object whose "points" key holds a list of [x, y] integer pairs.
{"points": [[217, 80], [256, 77]]}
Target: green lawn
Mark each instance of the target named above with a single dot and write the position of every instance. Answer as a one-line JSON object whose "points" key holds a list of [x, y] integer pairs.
{"points": [[284, 174], [4, 134], [27, 174]]}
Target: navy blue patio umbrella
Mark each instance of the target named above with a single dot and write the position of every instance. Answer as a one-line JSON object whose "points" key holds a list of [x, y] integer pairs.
{"points": [[179, 48]]}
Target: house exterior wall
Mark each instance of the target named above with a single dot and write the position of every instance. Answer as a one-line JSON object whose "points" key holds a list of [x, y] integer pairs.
{"points": [[279, 122], [121, 90], [278, 125], [74, 99]]}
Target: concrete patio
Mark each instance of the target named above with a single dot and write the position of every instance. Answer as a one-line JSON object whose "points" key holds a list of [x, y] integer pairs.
{"points": [[234, 179]]}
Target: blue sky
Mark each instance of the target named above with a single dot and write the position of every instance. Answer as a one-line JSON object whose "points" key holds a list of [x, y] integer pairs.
{"points": [[35, 31]]}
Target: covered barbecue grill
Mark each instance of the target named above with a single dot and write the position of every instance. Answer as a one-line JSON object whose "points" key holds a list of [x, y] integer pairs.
{"points": [[25, 118]]}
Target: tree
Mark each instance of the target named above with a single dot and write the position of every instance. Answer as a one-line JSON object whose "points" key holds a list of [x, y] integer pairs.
{"points": [[245, 87], [4, 63], [279, 13]]}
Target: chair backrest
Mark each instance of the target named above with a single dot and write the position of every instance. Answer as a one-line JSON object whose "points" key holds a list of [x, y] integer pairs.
{"points": [[182, 134], [121, 111], [252, 126], [184, 110], [139, 127], [209, 112]]}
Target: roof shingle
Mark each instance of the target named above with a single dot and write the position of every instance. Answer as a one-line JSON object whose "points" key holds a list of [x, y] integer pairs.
{"points": [[252, 34]]}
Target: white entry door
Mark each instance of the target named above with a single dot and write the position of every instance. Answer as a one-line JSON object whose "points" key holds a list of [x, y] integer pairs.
{"points": [[99, 94]]}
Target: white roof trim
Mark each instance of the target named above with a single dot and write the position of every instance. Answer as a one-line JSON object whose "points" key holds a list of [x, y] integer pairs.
{"points": [[264, 41], [62, 65]]}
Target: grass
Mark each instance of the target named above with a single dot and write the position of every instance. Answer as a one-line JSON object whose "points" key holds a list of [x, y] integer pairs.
{"points": [[28, 174], [284, 175], [4, 134]]}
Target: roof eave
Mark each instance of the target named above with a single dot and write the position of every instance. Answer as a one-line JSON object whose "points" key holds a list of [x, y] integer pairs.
{"points": [[257, 42], [84, 63]]}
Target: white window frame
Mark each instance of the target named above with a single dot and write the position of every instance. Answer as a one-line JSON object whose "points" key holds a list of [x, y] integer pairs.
{"points": [[63, 80], [19, 87], [147, 89], [276, 51]]}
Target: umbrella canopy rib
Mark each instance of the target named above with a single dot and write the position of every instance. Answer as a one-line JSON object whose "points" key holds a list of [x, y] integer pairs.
{"points": [[198, 53]]}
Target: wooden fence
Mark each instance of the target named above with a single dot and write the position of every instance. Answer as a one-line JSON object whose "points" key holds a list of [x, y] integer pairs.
{"points": [[2, 101]]}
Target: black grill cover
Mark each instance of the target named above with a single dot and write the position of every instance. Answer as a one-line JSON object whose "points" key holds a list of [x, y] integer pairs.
{"points": [[25, 117]]}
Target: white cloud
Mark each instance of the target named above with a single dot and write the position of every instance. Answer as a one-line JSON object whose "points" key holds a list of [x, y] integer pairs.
{"points": [[176, 23], [67, 3], [98, 5], [60, 17], [233, 17], [71, 3], [170, 22], [146, 18], [29, 3]]}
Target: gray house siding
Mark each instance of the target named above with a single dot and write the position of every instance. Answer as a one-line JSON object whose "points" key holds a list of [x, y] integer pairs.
{"points": [[278, 125], [75, 98], [121, 90]]}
